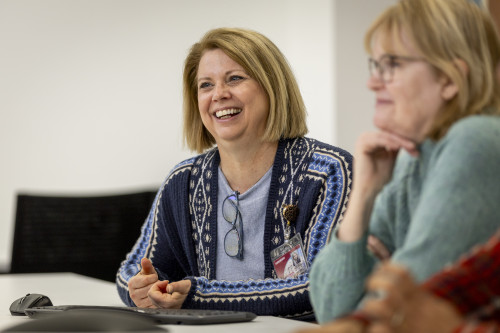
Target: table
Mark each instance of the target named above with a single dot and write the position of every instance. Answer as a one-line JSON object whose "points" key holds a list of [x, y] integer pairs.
{"points": [[70, 288]]}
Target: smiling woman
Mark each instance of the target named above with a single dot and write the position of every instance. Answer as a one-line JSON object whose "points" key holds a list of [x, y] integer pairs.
{"points": [[225, 220]]}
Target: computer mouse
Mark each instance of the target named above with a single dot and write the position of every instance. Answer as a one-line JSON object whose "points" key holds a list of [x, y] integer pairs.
{"points": [[29, 301], [88, 321]]}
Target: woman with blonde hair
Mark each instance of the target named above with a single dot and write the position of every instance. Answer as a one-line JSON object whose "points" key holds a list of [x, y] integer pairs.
{"points": [[426, 184], [223, 220]]}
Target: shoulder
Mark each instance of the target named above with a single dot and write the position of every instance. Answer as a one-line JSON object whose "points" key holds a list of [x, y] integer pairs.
{"points": [[473, 137], [327, 148], [191, 165], [475, 129], [324, 153]]}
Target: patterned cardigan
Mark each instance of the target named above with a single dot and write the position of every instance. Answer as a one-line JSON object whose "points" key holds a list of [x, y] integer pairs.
{"points": [[180, 236]]}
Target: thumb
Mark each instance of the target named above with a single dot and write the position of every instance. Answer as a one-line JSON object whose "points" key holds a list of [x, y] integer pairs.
{"points": [[182, 286], [147, 267]]}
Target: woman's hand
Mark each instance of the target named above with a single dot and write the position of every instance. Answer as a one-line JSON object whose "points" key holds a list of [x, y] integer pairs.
{"points": [[139, 285], [378, 248], [403, 306], [374, 159], [169, 295]]}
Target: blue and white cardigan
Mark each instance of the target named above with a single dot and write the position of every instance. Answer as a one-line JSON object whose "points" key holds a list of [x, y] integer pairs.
{"points": [[180, 236]]}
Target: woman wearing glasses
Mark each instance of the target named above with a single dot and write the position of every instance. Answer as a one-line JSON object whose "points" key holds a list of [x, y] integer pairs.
{"points": [[223, 218], [426, 184]]}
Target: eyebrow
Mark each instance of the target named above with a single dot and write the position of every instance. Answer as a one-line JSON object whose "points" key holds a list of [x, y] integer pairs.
{"points": [[226, 73]]}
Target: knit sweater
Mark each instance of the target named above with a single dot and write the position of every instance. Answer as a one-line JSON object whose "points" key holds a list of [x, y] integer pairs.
{"points": [[180, 236], [435, 208]]}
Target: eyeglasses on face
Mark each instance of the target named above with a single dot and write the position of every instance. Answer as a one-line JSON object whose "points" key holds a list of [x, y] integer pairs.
{"points": [[233, 241], [385, 66]]}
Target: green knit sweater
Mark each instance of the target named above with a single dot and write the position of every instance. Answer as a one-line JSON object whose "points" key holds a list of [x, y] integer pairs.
{"points": [[435, 208]]}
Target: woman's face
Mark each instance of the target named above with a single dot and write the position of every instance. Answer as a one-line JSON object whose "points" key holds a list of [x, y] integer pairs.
{"points": [[233, 106], [407, 102]]}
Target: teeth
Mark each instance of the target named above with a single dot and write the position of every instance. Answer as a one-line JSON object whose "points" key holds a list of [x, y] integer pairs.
{"points": [[222, 113]]}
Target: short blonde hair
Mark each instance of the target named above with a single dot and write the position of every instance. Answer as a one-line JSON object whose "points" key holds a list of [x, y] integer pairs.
{"points": [[445, 31], [265, 63]]}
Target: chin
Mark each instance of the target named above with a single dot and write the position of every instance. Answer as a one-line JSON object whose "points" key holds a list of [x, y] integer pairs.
{"points": [[380, 122]]}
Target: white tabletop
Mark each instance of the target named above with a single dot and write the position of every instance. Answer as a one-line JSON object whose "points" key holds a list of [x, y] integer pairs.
{"points": [[69, 288]]}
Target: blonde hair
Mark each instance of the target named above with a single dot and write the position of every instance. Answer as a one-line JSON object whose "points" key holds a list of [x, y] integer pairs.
{"points": [[265, 63], [445, 31]]}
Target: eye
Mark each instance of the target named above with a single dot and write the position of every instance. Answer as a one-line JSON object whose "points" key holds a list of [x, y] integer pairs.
{"points": [[204, 85], [392, 62], [235, 78]]}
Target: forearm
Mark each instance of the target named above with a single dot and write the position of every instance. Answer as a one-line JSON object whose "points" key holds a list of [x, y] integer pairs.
{"points": [[131, 266], [357, 217], [122, 288], [340, 269], [149, 243]]}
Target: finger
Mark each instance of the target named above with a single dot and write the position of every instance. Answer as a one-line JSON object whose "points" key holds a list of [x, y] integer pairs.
{"points": [[138, 293], [140, 297], [395, 282], [160, 286], [373, 141], [160, 296], [400, 141], [379, 328], [156, 294], [377, 308], [142, 281], [144, 303], [155, 300], [378, 248], [181, 287], [147, 267], [397, 276]]}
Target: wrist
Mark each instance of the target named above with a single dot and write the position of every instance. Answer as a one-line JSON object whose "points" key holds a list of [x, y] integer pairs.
{"points": [[357, 217]]}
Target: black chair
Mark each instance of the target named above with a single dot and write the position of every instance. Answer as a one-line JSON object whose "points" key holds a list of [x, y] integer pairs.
{"points": [[85, 235]]}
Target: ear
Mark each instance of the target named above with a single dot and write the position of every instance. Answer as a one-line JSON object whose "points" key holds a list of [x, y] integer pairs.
{"points": [[450, 88]]}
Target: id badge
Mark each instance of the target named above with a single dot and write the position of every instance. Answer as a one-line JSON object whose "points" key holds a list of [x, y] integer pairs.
{"points": [[288, 259]]}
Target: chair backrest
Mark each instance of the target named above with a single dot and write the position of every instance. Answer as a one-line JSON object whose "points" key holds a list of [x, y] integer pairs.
{"points": [[86, 235]]}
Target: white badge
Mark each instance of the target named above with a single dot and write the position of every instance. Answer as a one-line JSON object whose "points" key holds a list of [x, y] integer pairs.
{"points": [[288, 259]]}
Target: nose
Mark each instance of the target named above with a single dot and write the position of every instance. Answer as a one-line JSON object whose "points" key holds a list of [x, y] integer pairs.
{"points": [[221, 91], [374, 82]]}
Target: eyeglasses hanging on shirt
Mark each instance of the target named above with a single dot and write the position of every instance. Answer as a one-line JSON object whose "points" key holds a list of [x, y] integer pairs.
{"points": [[233, 241]]}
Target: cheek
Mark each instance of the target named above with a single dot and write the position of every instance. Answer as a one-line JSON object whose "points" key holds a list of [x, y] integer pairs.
{"points": [[202, 102], [408, 98], [204, 99], [203, 109]]}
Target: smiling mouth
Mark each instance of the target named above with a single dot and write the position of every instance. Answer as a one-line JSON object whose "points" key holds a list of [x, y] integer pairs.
{"points": [[228, 113]]}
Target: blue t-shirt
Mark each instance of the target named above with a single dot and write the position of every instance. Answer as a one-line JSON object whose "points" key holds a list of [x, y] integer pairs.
{"points": [[252, 206]]}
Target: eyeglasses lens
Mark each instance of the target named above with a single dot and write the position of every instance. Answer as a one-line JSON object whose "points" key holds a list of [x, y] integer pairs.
{"points": [[230, 209], [232, 243], [382, 69]]}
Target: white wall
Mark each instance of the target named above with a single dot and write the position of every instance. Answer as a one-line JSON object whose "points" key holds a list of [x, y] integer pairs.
{"points": [[90, 90], [354, 102]]}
